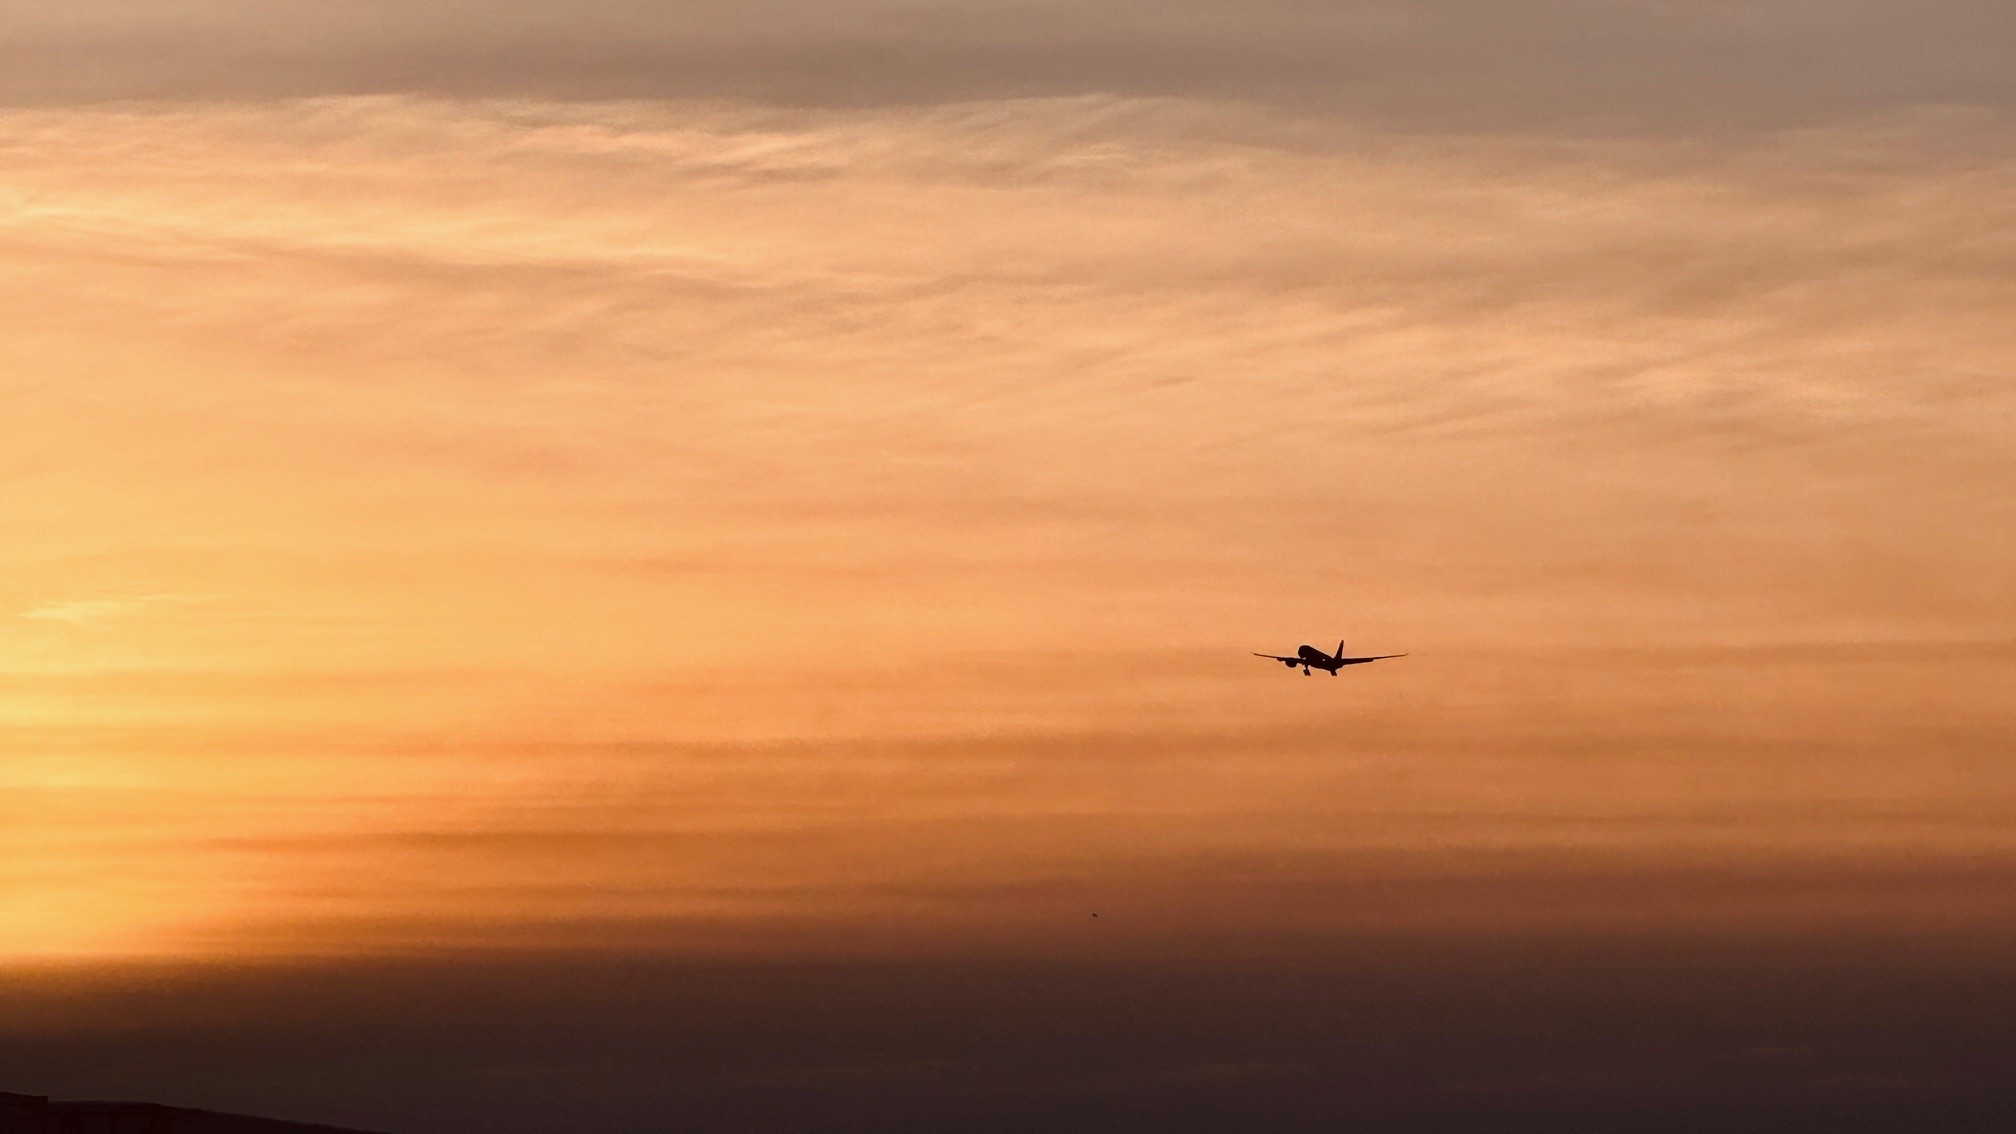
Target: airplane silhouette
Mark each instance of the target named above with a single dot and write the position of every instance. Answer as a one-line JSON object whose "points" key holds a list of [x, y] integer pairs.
{"points": [[1309, 657]]}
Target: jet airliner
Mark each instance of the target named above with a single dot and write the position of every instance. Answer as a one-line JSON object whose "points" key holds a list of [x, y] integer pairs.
{"points": [[1309, 657]]}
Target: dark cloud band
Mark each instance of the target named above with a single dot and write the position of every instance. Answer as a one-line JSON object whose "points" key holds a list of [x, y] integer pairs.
{"points": [[1464, 62]]}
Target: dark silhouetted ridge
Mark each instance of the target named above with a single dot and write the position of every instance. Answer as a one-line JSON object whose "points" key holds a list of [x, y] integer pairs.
{"points": [[34, 1114]]}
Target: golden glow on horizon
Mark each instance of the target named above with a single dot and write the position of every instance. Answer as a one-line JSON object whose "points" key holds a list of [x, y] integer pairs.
{"points": [[444, 524]]}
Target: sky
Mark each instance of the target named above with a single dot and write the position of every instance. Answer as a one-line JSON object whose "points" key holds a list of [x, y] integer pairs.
{"points": [[649, 566]]}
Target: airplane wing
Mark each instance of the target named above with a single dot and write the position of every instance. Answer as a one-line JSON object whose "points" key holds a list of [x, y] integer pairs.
{"points": [[1278, 657], [1374, 657]]}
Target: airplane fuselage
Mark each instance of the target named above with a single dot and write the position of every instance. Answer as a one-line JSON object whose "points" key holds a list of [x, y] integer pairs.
{"points": [[1312, 658]]}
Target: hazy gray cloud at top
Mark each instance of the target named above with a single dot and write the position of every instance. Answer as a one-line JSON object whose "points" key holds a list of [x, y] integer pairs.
{"points": [[1597, 63]]}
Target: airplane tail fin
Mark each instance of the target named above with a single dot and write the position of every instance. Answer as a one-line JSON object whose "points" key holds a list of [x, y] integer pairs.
{"points": [[1340, 647]]}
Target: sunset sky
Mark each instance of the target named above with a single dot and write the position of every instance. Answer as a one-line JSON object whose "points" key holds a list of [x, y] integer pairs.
{"points": [[709, 539]]}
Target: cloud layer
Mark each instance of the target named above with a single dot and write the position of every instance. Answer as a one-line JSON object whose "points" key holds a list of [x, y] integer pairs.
{"points": [[1595, 63], [533, 457]]}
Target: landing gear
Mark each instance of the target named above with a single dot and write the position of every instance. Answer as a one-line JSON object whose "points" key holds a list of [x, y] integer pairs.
{"points": [[1305, 673]]}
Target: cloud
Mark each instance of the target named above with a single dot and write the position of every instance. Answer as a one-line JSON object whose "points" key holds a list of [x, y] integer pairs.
{"points": [[96, 613], [1139, 244], [1460, 62]]}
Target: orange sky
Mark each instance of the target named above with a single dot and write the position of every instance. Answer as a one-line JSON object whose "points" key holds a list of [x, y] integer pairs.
{"points": [[441, 522], [740, 481]]}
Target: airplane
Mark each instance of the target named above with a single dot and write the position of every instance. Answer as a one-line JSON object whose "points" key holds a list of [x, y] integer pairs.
{"points": [[1309, 657]]}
